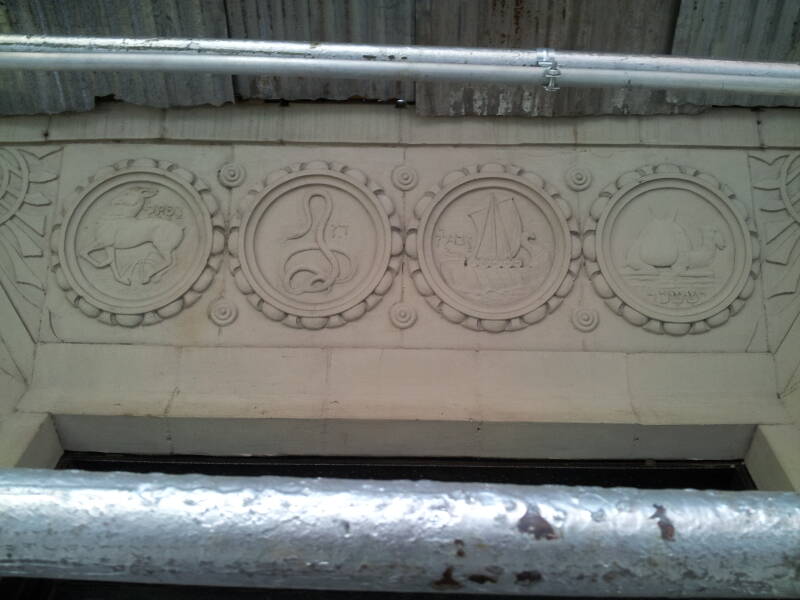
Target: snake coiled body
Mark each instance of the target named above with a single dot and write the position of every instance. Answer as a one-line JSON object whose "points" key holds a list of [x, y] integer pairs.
{"points": [[319, 278]]}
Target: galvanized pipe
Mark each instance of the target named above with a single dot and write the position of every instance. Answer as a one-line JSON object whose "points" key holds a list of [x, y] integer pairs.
{"points": [[402, 53], [399, 535], [343, 61], [348, 69]]}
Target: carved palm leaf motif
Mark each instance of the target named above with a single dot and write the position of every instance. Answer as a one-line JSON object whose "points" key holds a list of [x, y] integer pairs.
{"points": [[493, 247], [317, 245], [27, 189], [777, 185], [671, 249], [140, 241]]}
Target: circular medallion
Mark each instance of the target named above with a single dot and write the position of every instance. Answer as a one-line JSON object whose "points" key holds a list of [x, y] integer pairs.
{"points": [[141, 241], [497, 248], [14, 181], [671, 249], [318, 245]]}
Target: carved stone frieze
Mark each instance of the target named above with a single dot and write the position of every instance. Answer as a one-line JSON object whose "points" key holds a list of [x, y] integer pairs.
{"points": [[671, 249], [140, 241], [493, 247], [777, 185], [28, 178], [316, 246]]}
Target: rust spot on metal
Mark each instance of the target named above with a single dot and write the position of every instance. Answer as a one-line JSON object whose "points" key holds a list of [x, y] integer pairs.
{"points": [[528, 577], [481, 578], [460, 553], [664, 523], [532, 522], [447, 581]]}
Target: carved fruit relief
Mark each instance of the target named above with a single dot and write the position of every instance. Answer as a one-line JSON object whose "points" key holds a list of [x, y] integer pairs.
{"points": [[142, 239], [494, 248], [317, 246], [671, 249]]}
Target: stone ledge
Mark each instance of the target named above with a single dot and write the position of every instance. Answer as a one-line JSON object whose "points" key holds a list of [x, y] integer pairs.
{"points": [[344, 437], [405, 384], [774, 458], [379, 124]]}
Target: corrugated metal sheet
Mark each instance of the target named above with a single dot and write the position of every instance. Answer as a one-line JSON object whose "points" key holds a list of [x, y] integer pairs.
{"points": [[753, 29], [630, 26], [355, 21], [743, 29], [58, 92]]}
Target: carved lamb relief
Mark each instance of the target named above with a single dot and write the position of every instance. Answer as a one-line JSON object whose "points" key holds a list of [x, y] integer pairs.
{"points": [[141, 240], [671, 249], [494, 248], [317, 246]]}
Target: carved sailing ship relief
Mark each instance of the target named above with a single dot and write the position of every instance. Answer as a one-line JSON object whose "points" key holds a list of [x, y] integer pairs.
{"points": [[497, 248], [502, 260]]}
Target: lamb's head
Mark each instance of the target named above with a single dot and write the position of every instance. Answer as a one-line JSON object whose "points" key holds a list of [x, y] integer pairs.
{"points": [[132, 199]]}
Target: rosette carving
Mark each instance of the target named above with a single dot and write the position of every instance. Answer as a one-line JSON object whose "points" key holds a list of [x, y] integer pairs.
{"points": [[493, 247], [317, 245]]}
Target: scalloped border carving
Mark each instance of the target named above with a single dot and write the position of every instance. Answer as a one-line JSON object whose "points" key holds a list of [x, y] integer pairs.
{"points": [[533, 314], [172, 307], [372, 190], [603, 205]]}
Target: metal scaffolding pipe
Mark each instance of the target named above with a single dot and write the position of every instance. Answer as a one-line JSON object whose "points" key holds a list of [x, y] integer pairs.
{"points": [[420, 63], [402, 53], [398, 536]]}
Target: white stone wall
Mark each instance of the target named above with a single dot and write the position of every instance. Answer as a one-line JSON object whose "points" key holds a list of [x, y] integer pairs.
{"points": [[338, 279]]}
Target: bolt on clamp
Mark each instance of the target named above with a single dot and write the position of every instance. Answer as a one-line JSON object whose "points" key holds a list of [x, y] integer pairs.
{"points": [[552, 72]]}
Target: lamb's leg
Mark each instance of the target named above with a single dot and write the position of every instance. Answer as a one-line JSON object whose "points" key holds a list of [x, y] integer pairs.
{"points": [[112, 253], [168, 259], [87, 254]]}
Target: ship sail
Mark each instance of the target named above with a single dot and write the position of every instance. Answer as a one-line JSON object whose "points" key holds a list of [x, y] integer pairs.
{"points": [[499, 228]]}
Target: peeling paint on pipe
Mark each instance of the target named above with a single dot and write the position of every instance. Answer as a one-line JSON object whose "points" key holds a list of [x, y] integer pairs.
{"points": [[398, 536]]}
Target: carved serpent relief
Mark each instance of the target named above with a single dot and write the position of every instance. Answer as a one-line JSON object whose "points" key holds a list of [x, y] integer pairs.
{"points": [[142, 239], [316, 246], [493, 247], [671, 249]]}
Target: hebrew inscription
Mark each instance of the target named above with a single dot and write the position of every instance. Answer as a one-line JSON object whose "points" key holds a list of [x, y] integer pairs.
{"points": [[671, 249], [140, 242], [495, 248], [317, 246]]}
